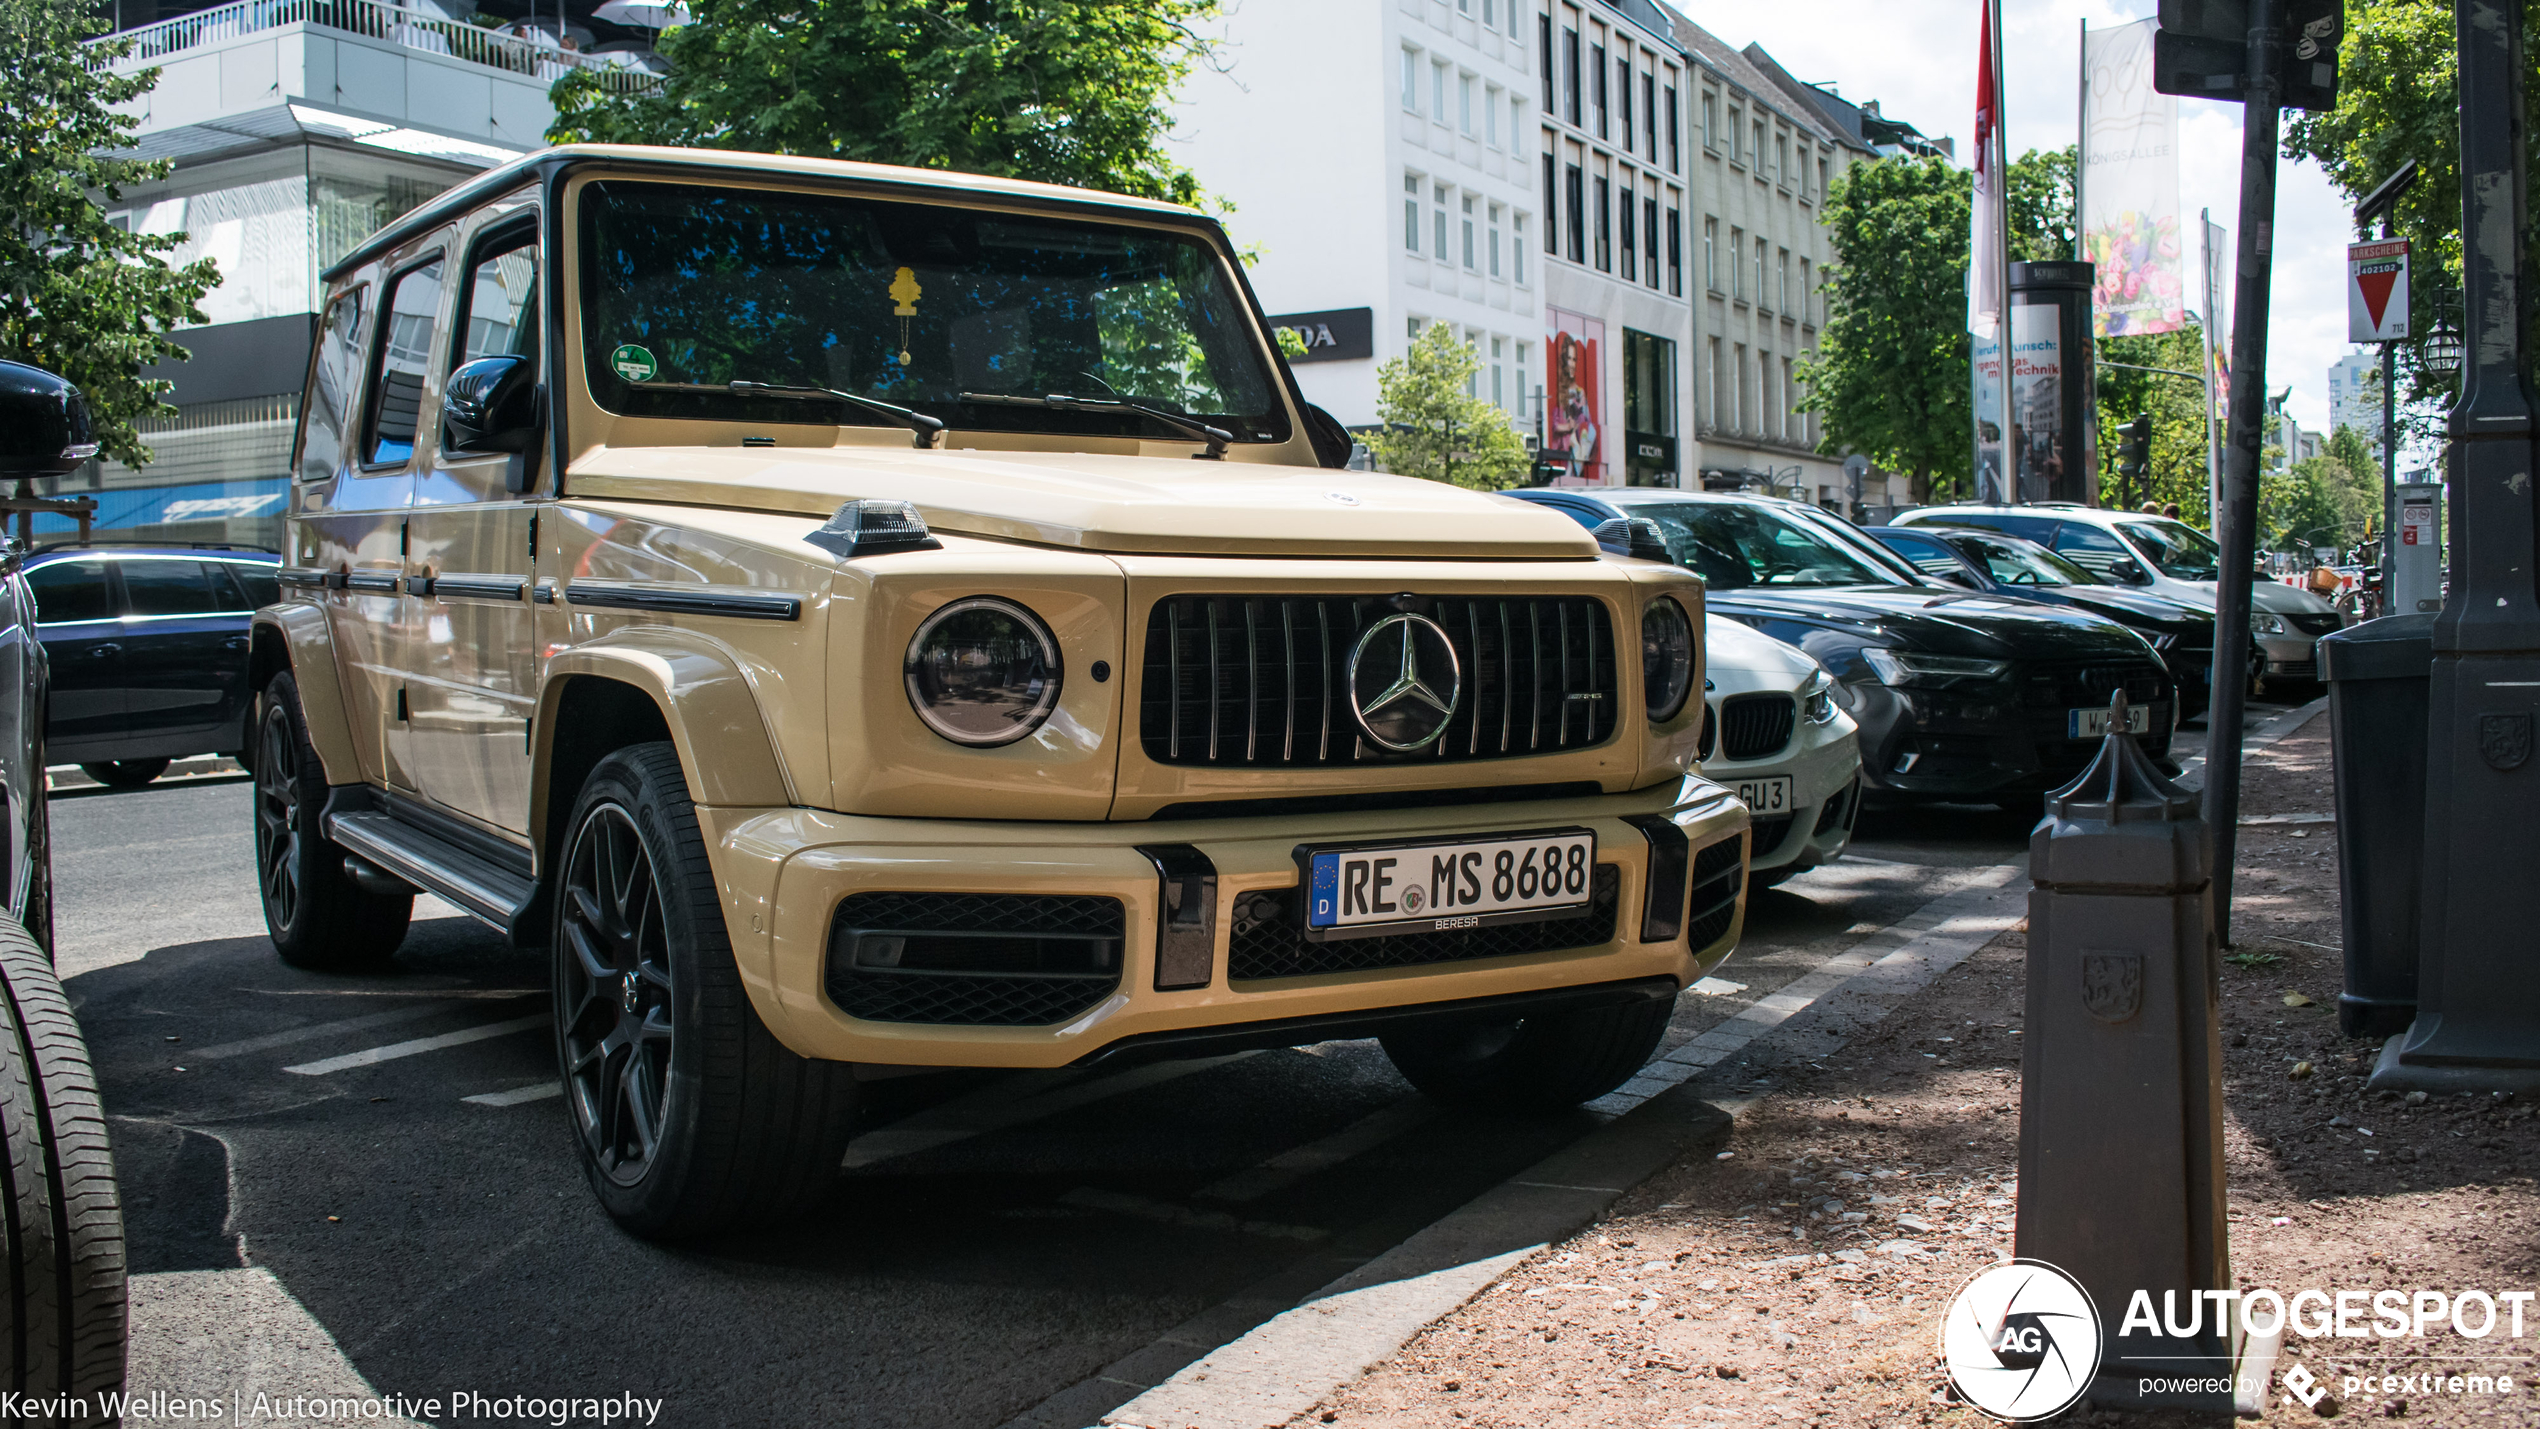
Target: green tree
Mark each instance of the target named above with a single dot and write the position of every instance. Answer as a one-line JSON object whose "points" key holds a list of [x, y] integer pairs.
{"points": [[78, 295], [1061, 91], [1434, 427], [2398, 98], [2328, 500], [2175, 404], [2041, 205], [1890, 375]]}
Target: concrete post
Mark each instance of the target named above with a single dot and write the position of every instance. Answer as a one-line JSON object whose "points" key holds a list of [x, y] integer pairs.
{"points": [[2121, 1143]]}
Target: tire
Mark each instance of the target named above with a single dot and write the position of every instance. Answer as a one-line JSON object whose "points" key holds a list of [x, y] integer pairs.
{"points": [[690, 1118], [37, 912], [317, 916], [1535, 1064], [125, 773], [62, 1219]]}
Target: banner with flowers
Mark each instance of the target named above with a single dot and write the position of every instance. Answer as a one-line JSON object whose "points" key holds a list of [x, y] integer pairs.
{"points": [[2129, 187]]}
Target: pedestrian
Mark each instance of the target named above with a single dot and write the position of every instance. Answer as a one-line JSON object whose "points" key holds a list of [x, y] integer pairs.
{"points": [[2151, 508], [2171, 511]]}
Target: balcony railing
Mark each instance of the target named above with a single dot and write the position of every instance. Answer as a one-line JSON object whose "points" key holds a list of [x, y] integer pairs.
{"points": [[394, 23]]}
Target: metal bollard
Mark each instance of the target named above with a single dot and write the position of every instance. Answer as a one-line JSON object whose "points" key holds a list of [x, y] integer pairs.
{"points": [[2121, 1144]]}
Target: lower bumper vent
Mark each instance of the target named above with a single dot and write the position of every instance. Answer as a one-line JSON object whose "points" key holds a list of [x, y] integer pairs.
{"points": [[1266, 943], [1719, 877], [974, 959]]}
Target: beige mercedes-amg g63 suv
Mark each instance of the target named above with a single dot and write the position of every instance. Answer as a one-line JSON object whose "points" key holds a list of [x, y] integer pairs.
{"points": [[854, 619]]}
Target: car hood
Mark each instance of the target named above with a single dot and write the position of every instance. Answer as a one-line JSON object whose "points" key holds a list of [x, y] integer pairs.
{"points": [[1728, 645], [2267, 593], [1936, 620], [2136, 607], [1095, 502]]}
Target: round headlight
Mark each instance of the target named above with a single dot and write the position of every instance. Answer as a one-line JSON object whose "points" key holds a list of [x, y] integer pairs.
{"points": [[1666, 658], [983, 671]]}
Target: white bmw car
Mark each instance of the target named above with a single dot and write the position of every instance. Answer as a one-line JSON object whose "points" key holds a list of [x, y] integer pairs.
{"points": [[1778, 739]]}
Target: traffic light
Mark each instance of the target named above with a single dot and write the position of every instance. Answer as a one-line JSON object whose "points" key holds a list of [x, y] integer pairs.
{"points": [[2200, 48], [2135, 457]]}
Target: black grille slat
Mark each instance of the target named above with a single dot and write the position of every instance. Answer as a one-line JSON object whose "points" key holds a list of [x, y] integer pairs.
{"points": [[1717, 882], [1264, 942], [998, 986], [1261, 665], [1756, 726]]}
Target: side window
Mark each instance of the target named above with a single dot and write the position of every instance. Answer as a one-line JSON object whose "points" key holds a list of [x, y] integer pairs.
{"points": [[1581, 514], [335, 365], [2096, 551], [405, 354], [170, 588], [246, 587], [1928, 556], [498, 309], [71, 590]]}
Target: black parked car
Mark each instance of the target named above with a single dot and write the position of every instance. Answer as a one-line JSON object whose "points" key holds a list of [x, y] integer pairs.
{"points": [[2002, 565], [149, 652], [64, 1296], [1958, 695]]}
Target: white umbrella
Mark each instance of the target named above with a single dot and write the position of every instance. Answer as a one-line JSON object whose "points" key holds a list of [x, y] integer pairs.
{"points": [[643, 14]]}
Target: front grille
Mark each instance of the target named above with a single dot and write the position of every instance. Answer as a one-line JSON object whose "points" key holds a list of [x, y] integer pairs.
{"points": [[1769, 833], [2294, 669], [1718, 881], [2086, 684], [1755, 726], [1261, 681], [1265, 942], [2315, 622], [974, 959]]}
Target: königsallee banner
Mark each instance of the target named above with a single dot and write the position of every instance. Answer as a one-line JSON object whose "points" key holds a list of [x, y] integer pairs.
{"points": [[2129, 186]]}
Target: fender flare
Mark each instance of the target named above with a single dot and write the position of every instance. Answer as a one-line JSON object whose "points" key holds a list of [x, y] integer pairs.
{"points": [[308, 652], [705, 699]]}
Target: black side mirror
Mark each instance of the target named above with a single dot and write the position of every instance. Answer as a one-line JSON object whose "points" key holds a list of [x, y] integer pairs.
{"points": [[44, 427], [2130, 573], [491, 405], [1633, 536], [1331, 441]]}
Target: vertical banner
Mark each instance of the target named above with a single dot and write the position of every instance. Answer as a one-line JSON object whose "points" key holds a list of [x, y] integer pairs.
{"points": [[1985, 273], [2218, 312], [1574, 392], [2037, 389], [2377, 291], [2129, 180], [1987, 375]]}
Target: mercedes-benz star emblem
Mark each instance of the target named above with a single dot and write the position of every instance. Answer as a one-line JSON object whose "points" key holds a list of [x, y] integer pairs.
{"points": [[1404, 682]]}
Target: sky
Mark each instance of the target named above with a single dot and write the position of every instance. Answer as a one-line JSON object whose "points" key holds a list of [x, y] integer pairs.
{"points": [[1918, 59]]}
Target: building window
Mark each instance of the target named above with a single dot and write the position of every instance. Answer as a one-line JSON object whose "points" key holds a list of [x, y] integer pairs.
{"points": [[1675, 253], [1596, 69], [1516, 122], [1712, 390], [1570, 72], [1473, 379], [1782, 280], [1759, 148], [1631, 245], [1623, 82], [1649, 235], [1575, 195], [1543, 44], [1412, 328], [1498, 372], [1737, 391], [1464, 103], [1807, 292], [1649, 114], [1411, 213], [1789, 418], [1710, 116], [1799, 175], [1737, 264], [1438, 197], [1737, 126], [1514, 18], [1411, 80], [1517, 249], [1604, 224], [1649, 384], [1823, 179], [1438, 71], [1764, 424], [1711, 254], [1760, 291], [1490, 11], [1525, 357], [1472, 255], [1490, 115], [1551, 229], [1495, 212]]}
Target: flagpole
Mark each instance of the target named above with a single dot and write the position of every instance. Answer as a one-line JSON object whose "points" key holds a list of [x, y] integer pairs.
{"points": [[2213, 467], [2081, 154], [2002, 227]]}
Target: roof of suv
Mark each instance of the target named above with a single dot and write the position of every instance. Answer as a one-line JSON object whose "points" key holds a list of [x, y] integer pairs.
{"points": [[120, 550]]}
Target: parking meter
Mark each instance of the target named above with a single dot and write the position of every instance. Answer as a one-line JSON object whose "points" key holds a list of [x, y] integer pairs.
{"points": [[2413, 584]]}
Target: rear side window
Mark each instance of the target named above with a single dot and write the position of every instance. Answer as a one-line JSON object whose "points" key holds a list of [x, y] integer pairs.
{"points": [[405, 355], [246, 587], [334, 368], [171, 588], [1925, 554], [71, 590], [2096, 551]]}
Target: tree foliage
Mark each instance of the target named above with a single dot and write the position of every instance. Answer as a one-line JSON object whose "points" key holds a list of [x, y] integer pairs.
{"points": [[2176, 405], [2041, 203], [1435, 427], [2398, 98], [79, 296], [2330, 500], [1061, 91]]}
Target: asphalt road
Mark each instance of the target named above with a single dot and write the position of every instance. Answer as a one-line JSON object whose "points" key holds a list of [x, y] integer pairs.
{"points": [[381, 1145]]}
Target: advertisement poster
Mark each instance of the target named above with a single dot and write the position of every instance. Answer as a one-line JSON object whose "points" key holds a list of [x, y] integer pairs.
{"points": [[1574, 393], [2037, 386], [1988, 379], [2129, 187]]}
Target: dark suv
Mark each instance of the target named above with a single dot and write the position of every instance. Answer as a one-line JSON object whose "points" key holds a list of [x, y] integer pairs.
{"points": [[148, 646]]}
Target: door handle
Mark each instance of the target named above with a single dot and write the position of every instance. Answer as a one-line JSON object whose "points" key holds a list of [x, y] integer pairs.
{"points": [[234, 643], [100, 652]]}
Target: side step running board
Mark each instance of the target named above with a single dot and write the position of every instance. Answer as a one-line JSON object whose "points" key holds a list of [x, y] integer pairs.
{"points": [[490, 894]]}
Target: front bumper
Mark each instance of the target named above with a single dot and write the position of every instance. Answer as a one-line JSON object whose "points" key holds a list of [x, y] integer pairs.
{"points": [[2293, 656], [1937, 745], [785, 872], [1824, 765]]}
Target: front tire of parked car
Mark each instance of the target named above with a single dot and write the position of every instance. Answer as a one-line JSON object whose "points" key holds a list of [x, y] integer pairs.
{"points": [[1532, 1064], [318, 917], [125, 773], [65, 1246], [690, 1117]]}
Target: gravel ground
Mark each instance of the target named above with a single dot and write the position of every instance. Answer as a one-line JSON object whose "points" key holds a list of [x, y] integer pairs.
{"points": [[1801, 1277]]}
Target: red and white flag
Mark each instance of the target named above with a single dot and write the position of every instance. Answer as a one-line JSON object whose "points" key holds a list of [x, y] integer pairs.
{"points": [[1986, 241]]}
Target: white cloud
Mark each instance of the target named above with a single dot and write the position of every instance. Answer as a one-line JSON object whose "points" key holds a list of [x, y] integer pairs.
{"points": [[1918, 59]]}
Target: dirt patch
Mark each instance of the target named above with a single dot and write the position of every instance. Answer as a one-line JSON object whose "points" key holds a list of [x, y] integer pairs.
{"points": [[1800, 1278]]}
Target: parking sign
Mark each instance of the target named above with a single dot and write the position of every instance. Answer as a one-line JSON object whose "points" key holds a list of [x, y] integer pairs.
{"points": [[2377, 291]]}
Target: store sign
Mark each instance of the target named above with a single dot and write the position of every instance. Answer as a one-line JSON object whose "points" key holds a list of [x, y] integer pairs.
{"points": [[1342, 335]]}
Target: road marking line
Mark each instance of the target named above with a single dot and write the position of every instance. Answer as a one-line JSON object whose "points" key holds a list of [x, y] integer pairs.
{"points": [[314, 1030], [992, 1108], [517, 1095], [376, 1055], [1298, 1162], [1094, 1198]]}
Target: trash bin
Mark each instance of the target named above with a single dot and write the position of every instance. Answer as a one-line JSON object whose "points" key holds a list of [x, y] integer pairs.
{"points": [[2376, 676]]}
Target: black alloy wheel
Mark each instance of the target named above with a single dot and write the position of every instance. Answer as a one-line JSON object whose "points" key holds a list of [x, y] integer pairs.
{"points": [[615, 995], [317, 916], [277, 819]]}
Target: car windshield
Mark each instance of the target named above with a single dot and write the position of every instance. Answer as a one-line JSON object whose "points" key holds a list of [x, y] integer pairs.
{"points": [[1733, 547], [2182, 552], [689, 288], [2021, 562]]}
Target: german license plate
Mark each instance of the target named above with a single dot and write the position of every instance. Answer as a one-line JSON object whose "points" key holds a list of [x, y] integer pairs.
{"points": [[2091, 724], [1442, 885], [1766, 796]]}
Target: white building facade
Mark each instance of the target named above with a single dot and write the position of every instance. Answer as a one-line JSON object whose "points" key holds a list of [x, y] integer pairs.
{"points": [[1509, 169], [2354, 397]]}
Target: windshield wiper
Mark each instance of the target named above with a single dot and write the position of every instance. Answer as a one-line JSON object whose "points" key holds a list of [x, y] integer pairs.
{"points": [[922, 427], [1217, 438]]}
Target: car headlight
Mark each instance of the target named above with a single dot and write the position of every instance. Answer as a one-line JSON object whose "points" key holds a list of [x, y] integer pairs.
{"points": [[1666, 658], [2266, 622], [1816, 698], [1913, 667], [983, 671]]}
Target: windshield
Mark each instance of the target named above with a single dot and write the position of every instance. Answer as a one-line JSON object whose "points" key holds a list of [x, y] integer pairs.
{"points": [[1733, 547], [2182, 552], [687, 288], [2021, 562]]}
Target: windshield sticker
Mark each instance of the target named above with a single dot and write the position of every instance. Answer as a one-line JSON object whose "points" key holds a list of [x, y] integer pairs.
{"points": [[633, 363], [905, 292]]}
